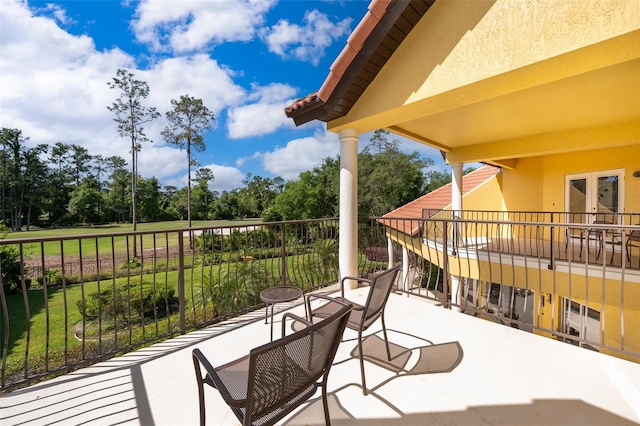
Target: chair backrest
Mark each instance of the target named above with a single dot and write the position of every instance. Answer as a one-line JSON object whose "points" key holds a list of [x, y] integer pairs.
{"points": [[379, 293], [281, 372]]}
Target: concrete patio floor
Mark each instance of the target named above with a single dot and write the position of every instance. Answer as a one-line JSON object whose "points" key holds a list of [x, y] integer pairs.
{"points": [[448, 368]]}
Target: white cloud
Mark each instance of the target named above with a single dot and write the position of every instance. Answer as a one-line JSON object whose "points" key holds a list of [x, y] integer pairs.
{"points": [[225, 178], [54, 89], [53, 84], [263, 117], [308, 42], [198, 76], [161, 162], [300, 155], [276, 91], [257, 119], [186, 26]]}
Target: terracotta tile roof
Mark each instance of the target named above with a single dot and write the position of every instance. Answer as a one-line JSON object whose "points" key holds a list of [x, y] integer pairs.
{"points": [[373, 41], [437, 200]]}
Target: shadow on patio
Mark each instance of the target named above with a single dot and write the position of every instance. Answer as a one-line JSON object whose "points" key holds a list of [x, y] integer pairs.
{"points": [[446, 368]]}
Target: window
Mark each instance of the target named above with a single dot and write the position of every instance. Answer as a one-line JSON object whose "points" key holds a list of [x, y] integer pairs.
{"points": [[580, 321], [504, 301]]}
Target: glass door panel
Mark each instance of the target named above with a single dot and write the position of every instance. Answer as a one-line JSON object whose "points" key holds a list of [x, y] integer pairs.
{"points": [[578, 200], [608, 199]]}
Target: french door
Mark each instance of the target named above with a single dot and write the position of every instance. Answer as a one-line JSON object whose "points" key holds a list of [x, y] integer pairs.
{"points": [[595, 196]]}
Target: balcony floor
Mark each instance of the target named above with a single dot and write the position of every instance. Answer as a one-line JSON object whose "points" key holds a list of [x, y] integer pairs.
{"points": [[461, 370]]}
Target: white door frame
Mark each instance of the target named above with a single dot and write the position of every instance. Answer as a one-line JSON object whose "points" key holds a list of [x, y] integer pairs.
{"points": [[592, 189]]}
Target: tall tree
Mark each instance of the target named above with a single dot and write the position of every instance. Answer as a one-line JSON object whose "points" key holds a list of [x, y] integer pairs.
{"points": [[118, 197], [85, 201], [437, 179], [388, 178], [150, 196], [6, 167], [226, 206], [188, 120], [202, 196], [259, 193], [14, 144], [35, 179], [131, 114], [313, 195], [59, 156], [79, 161], [103, 164]]}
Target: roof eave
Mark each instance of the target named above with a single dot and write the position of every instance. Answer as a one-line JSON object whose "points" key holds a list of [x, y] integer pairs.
{"points": [[369, 35]]}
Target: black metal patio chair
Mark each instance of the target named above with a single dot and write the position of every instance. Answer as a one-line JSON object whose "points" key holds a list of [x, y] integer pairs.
{"points": [[362, 316], [274, 379]]}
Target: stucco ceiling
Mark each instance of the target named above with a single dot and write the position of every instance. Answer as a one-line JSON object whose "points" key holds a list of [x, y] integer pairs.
{"points": [[606, 96]]}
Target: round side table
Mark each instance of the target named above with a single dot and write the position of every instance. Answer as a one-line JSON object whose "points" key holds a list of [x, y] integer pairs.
{"points": [[278, 294]]}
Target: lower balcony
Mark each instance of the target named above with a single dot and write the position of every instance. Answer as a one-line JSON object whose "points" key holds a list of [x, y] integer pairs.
{"points": [[446, 368]]}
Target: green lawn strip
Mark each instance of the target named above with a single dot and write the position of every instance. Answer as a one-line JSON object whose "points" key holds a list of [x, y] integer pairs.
{"points": [[300, 273]]}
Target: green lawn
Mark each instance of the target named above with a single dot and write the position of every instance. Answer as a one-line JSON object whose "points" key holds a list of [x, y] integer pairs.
{"points": [[62, 312], [89, 238]]}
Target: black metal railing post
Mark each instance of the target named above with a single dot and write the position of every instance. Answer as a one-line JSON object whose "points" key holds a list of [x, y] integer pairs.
{"points": [[283, 254], [181, 302]]}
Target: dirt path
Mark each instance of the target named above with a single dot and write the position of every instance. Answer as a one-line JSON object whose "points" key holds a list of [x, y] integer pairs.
{"points": [[90, 264]]}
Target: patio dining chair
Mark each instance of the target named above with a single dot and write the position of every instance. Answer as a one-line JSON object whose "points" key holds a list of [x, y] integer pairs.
{"points": [[362, 316], [633, 240], [276, 378]]}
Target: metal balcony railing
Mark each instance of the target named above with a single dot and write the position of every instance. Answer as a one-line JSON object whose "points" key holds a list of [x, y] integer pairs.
{"points": [[575, 282], [77, 300]]}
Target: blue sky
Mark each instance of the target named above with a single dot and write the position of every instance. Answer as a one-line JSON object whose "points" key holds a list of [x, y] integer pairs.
{"points": [[246, 59]]}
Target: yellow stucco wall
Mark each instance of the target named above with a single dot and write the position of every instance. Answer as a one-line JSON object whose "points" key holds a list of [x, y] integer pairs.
{"points": [[544, 178], [467, 43], [487, 196], [557, 167], [528, 174]]}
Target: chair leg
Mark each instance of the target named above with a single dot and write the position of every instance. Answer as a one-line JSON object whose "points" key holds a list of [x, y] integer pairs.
{"points": [[386, 341], [600, 242], [200, 391], [364, 383], [201, 399], [581, 242], [325, 403]]}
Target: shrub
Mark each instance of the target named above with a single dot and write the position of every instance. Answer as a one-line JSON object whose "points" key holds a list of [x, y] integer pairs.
{"points": [[53, 278], [129, 304], [326, 258], [131, 263], [10, 266], [236, 289]]}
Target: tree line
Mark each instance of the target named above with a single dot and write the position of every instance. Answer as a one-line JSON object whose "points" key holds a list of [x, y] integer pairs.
{"points": [[64, 184]]}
